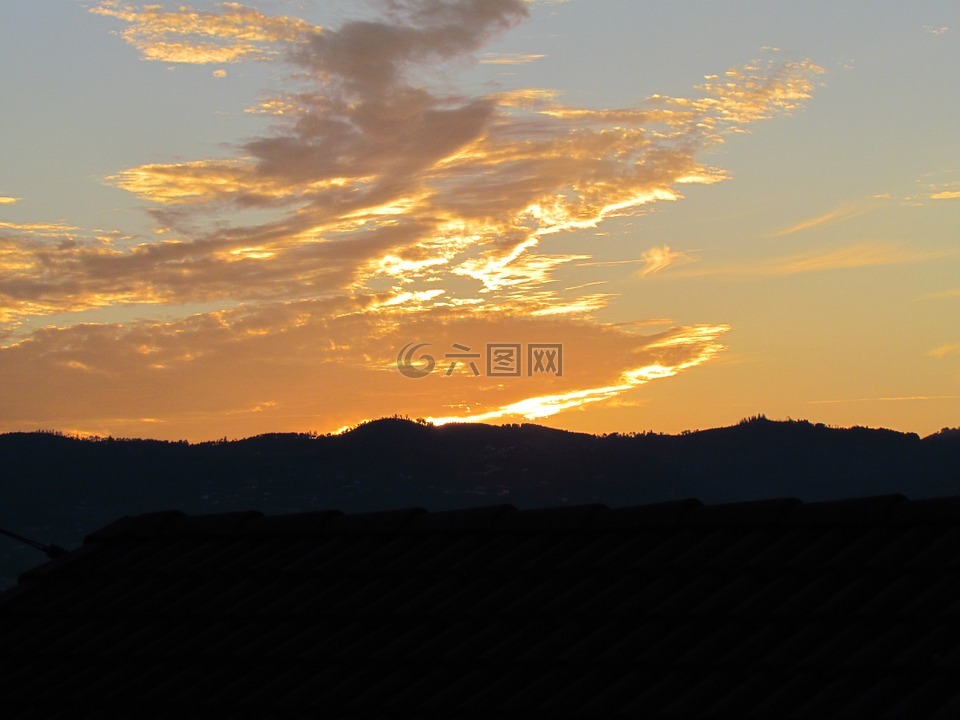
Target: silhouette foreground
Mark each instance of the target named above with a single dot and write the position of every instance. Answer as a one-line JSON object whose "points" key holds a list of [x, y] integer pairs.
{"points": [[56, 489], [774, 609]]}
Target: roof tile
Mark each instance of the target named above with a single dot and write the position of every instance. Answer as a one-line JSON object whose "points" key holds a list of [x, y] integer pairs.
{"points": [[460, 521], [657, 515], [677, 610], [563, 519], [383, 522], [297, 524], [141, 526], [756, 512], [853, 512], [209, 526]]}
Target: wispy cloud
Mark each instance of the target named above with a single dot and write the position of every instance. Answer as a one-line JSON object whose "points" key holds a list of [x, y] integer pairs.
{"points": [[946, 195], [372, 178], [233, 33], [945, 350], [946, 294], [508, 58], [906, 398], [949, 190], [845, 258], [374, 197], [856, 256], [5, 200], [936, 30], [844, 212], [659, 258], [40, 229], [697, 345]]}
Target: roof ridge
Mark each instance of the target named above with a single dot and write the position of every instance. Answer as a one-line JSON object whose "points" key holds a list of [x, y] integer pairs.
{"points": [[690, 512]]}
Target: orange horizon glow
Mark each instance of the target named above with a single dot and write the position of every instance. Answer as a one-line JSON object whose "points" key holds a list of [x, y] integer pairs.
{"points": [[378, 177]]}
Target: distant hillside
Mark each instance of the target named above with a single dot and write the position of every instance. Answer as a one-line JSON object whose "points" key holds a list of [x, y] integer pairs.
{"points": [[56, 489]]}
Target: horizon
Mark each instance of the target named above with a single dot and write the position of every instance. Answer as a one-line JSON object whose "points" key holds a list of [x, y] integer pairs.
{"points": [[226, 220], [423, 422]]}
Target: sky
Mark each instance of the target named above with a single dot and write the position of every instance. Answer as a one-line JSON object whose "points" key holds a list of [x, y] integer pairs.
{"points": [[226, 219]]}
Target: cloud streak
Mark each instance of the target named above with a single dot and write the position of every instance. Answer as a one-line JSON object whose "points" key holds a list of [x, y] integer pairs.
{"points": [[851, 257], [509, 58], [844, 212], [233, 33], [946, 195], [947, 350], [659, 258], [906, 398]]}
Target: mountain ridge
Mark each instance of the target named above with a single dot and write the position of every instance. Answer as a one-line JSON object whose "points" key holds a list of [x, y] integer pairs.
{"points": [[56, 488]]}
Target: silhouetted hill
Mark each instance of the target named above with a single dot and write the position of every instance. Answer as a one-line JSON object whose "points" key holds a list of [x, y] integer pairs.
{"points": [[56, 489], [945, 434]]}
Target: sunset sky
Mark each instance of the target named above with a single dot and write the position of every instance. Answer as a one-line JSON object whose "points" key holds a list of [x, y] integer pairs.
{"points": [[225, 219]]}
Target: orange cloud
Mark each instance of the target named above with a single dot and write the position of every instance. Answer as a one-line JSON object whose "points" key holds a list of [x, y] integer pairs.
{"points": [[412, 193], [843, 212], [659, 258], [845, 258], [508, 58], [186, 35], [759, 90], [936, 191], [943, 295], [278, 367], [54, 229], [945, 350], [376, 210], [907, 398], [855, 256], [699, 344]]}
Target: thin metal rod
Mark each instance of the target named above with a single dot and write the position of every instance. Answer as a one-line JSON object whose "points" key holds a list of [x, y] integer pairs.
{"points": [[51, 551]]}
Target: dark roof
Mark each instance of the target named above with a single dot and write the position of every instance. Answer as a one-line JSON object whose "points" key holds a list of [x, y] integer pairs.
{"points": [[772, 609]]}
